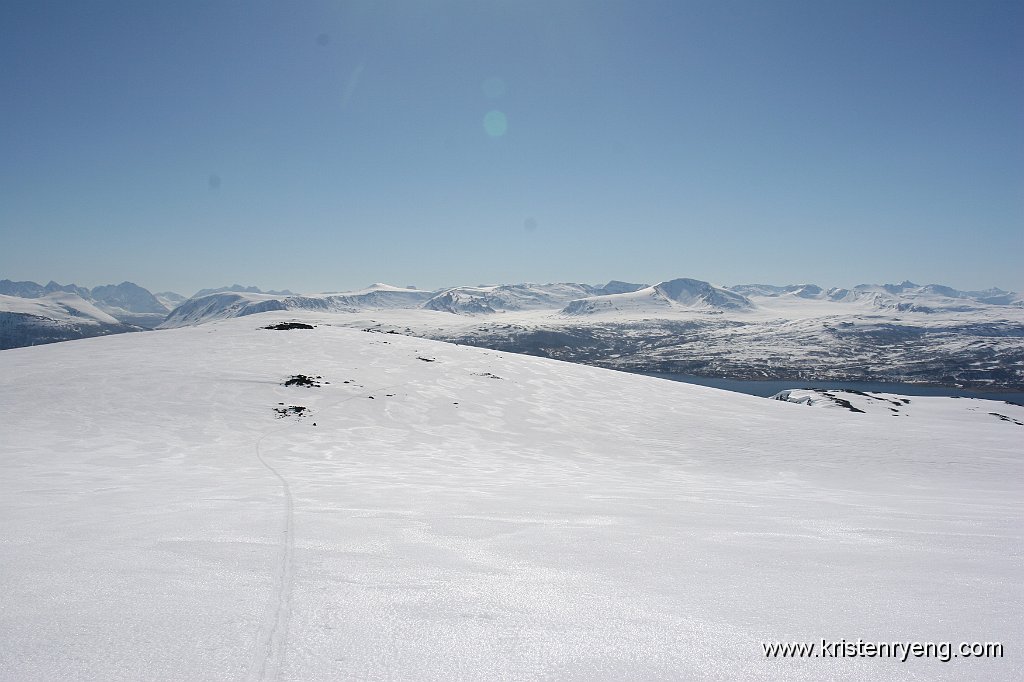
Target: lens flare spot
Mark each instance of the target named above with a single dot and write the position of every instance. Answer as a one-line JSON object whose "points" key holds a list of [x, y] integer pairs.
{"points": [[495, 123]]}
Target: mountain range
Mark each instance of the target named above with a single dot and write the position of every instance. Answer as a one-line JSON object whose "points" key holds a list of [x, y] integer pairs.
{"points": [[876, 332], [33, 314]]}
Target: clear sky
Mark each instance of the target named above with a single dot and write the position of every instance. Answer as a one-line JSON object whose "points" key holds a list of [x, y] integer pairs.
{"points": [[326, 145]]}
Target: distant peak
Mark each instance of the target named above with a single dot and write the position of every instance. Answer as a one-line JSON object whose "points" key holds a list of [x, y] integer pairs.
{"points": [[239, 289], [619, 287]]}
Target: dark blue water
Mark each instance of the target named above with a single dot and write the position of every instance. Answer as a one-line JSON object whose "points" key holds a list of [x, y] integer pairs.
{"points": [[769, 388]]}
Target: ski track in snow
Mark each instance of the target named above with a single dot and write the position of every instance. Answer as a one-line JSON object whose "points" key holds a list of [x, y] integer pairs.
{"points": [[272, 640], [273, 634]]}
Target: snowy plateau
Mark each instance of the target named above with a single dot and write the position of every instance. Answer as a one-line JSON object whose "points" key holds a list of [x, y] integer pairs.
{"points": [[283, 495]]}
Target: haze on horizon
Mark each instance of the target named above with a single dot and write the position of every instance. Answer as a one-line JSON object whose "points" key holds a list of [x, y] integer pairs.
{"points": [[328, 145]]}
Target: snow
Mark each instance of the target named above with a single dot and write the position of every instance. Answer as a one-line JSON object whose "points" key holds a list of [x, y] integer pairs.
{"points": [[666, 299], [484, 516], [223, 305], [675, 300], [508, 297], [59, 306], [868, 336], [968, 412], [381, 286]]}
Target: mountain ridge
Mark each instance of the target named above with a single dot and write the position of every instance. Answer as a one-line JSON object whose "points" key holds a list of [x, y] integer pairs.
{"points": [[891, 332]]}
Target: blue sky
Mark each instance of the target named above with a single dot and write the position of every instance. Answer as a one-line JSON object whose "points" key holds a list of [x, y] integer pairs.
{"points": [[326, 145]]}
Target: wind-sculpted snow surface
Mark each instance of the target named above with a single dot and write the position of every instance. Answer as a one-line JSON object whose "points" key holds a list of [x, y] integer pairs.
{"points": [[439, 512]]}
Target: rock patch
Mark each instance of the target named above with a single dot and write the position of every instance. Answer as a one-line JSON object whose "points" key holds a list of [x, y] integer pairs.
{"points": [[281, 326], [1004, 418], [306, 381], [290, 411]]}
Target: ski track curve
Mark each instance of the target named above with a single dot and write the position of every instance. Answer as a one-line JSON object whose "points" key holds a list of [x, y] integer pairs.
{"points": [[272, 640]]}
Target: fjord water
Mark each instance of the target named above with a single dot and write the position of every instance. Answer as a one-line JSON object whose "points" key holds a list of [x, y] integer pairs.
{"points": [[767, 388]]}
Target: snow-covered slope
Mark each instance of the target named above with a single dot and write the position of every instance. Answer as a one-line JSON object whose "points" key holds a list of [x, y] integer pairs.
{"points": [[445, 512], [892, 405], [891, 333], [477, 300], [129, 297], [55, 316], [220, 306], [618, 287], [130, 305], [228, 304], [34, 290], [377, 297], [905, 296], [661, 299], [508, 297], [59, 306], [170, 299], [238, 288]]}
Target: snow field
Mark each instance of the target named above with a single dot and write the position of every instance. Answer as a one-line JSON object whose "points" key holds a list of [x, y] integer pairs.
{"points": [[159, 522]]}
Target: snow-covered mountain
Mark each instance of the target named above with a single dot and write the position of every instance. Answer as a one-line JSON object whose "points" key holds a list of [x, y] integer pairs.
{"points": [[801, 290], [617, 287], [577, 299], [892, 332], [905, 296], [33, 290], [176, 506], [239, 289], [239, 304], [238, 301], [32, 314], [170, 299], [125, 297], [220, 306], [661, 299], [50, 317], [508, 297], [130, 303], [129, 297], [916, 335]]}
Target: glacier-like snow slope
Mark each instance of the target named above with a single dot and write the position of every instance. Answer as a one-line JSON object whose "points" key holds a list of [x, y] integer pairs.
{"points": [[445, 512]]}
